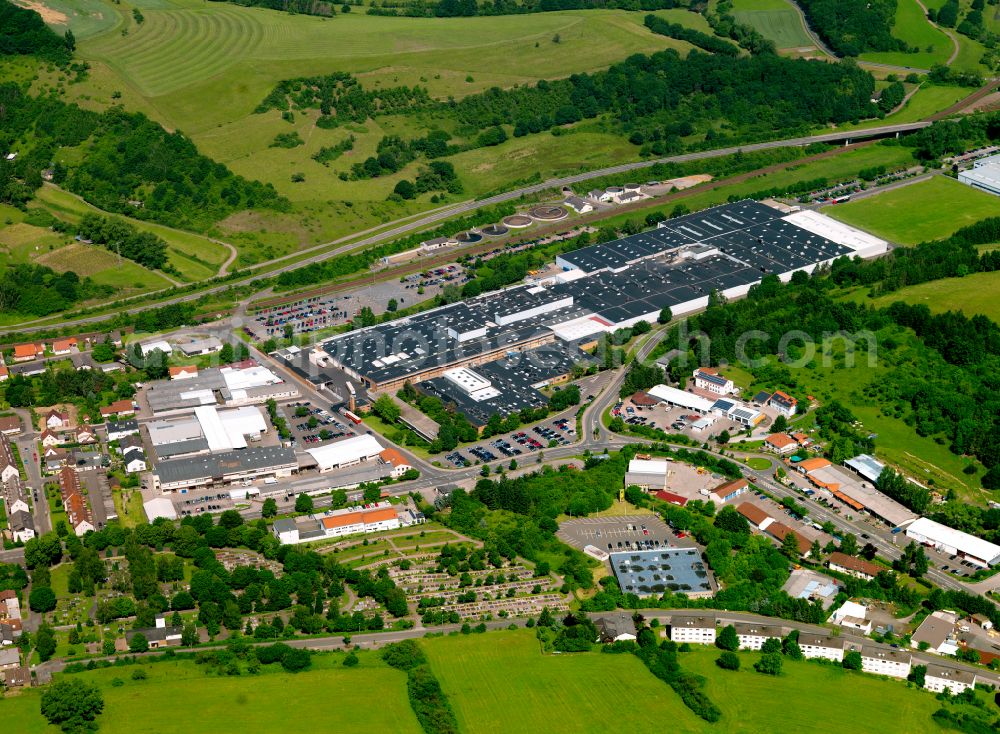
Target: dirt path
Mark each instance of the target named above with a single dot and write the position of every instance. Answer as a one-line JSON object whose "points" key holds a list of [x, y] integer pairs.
{"points": [[224, 268], [955, 48]]}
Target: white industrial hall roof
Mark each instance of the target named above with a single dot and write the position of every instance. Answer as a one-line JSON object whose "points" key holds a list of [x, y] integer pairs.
{"points": [[648, 466], [940, 534], [347, 451], [679, 397]]}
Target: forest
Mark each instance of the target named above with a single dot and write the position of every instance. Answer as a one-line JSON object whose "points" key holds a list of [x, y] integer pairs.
{"points": [[38, 290], [954, 136], [122, 238], [133, 166], [937, 372], [851, 27], [24, 33]]}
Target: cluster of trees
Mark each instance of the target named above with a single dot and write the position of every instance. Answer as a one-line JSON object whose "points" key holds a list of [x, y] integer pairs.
{"points": [[438, 176], [641, 377], [66, 385], [120, 237], [132, 164], [712, 44], [851, 27], [946, 138], [341, 98], [427, 700], [895, 485], [24, 33], [329, 153], [454, 426], [38, 290], [662, 662], [724, 23]]}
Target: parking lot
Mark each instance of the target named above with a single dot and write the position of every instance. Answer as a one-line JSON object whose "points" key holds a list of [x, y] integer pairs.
{"points": [[681, 420], [628, 532], [313, 425], [320, 312], [547, 434]]}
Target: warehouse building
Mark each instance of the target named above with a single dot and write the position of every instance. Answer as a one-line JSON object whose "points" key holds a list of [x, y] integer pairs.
{"points": [[984, 175], [605, 287], [648, 474], [346, 453], [227, 467], [234, 385], [954, 542], [652, 572], [337, 524]]}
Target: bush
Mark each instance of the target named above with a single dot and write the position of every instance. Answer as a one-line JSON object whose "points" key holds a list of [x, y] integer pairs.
{"points": [[296, 659], [728, 661]]}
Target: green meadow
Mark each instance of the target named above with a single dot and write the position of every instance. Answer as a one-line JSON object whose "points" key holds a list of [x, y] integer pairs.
{"points": [[774, 19]]}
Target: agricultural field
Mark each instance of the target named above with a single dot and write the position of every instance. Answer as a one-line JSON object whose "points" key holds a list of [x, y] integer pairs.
{"points": [[913, 27], [342, 700], [973, 294], [919, 212], [776, 20]]}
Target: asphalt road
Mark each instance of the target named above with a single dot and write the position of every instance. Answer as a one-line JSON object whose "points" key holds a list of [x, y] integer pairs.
{"points": [[413, 225]]}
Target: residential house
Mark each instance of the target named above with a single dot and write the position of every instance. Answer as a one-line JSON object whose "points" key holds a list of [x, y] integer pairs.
{"points": [[615, 629], [85, 435], [937, 633], [729, 491], [753, 636], [135, 460], [17, 677], [708, 378], [22, 526], [885, 661], [117, 430], [853, 616], [9, 633], [4, 371], [784, 403], [132, 441], [56, 420], [8, 465], [115, 337], [61, 347], [49, 439], [10, 425], [780, 443], [857, 567], [696, 629], [77, 512], [28, 352], [400, 465], [10, 657], [821, 646], [179, 372], [802, 439], [119, 407], [939, 678]]}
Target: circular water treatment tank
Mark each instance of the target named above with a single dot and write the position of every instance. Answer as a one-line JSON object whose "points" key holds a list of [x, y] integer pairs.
{"points": [[615, 190], [631, 187], [548, 213], [468, 237], [516, 221], [495, 230]]}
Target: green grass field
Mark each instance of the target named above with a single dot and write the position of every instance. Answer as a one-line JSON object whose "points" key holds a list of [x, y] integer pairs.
{"points": [[913, 27], [774, 19], [195, 257], [179, 698], [973, 294], [809, 697], [512, 687], [922, 211]]}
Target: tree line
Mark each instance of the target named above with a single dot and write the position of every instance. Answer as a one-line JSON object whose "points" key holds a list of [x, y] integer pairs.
{"points": [[341, 97], [712, 44], [120, 237], [470, 8]]}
